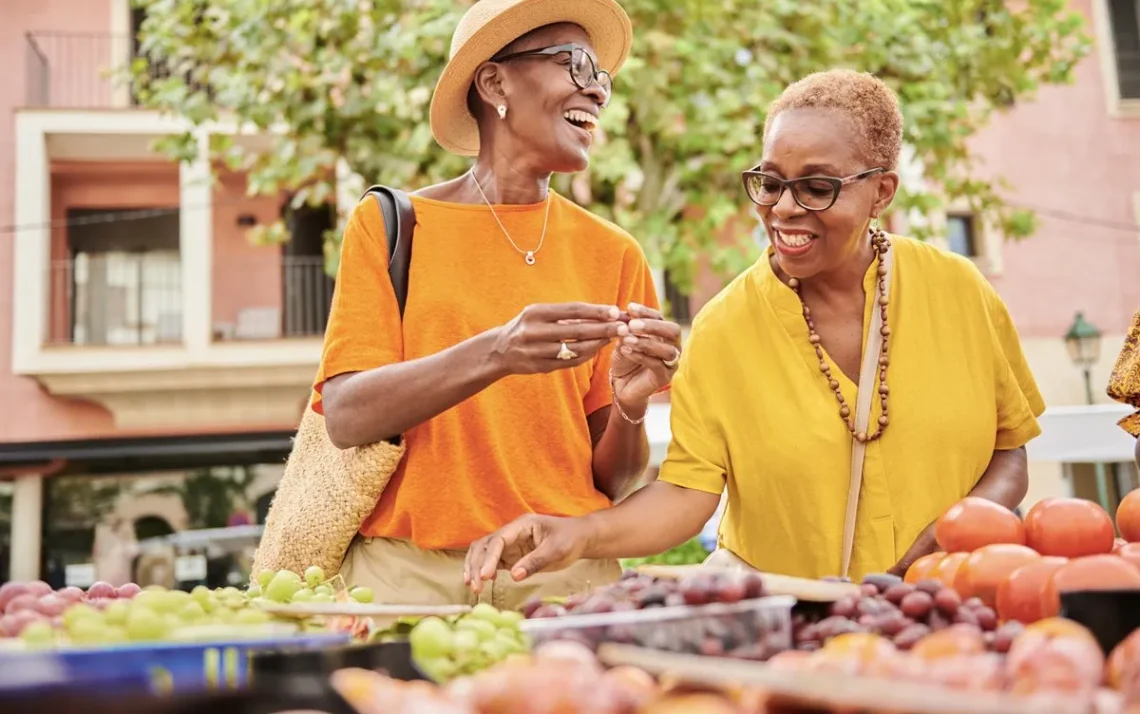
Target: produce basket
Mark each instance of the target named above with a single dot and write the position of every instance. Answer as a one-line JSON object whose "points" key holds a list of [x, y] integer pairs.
{"points": [[165, 668], [750, 629], [1111, 615], [392, 658]]}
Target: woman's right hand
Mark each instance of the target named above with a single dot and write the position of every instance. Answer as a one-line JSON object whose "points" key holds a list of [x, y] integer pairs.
{"points": [[532, 341], [527, 545]]}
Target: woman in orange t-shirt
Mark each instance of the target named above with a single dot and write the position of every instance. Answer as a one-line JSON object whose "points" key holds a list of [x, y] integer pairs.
{"points": [[512, 349]]}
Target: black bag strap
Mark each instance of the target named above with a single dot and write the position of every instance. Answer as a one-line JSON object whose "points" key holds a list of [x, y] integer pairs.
{"points": [[400, 223]]}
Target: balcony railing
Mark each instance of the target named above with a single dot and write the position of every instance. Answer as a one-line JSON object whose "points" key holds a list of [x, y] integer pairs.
{"points": [[116, 299], [72, 70], [270, 297], [124, 299]]}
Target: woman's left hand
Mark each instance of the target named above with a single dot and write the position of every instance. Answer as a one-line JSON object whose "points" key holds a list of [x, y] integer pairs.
{"points": [[645, 360], [925, 544]]}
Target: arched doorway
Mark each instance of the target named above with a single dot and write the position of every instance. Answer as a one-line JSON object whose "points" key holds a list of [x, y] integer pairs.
{"points": [[152, 527]]}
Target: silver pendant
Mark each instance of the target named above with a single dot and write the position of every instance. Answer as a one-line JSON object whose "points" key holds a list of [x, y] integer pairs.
{"points": [[530, 257]]}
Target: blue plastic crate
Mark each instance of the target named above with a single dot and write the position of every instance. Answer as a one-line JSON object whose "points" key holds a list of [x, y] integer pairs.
{"points": [[158, 668]]}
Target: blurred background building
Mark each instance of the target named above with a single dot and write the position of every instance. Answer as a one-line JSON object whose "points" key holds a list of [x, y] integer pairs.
{"points": [[153, 362]]}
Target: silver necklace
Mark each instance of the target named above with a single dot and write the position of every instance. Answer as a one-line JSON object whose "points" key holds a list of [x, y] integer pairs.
{"points": [[528, 255]]}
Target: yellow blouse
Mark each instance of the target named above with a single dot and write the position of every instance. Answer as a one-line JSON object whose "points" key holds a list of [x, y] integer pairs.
{"points": [[750, 410]]}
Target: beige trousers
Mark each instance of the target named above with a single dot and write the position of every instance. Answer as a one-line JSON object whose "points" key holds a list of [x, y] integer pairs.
{"points": [[400, 573]]}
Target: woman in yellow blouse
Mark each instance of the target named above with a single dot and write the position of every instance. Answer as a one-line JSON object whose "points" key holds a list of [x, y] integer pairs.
{"points": [[764, 400]]}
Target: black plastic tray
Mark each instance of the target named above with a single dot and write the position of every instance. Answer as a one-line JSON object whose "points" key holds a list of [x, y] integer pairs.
{"points": [[1111, 615]]}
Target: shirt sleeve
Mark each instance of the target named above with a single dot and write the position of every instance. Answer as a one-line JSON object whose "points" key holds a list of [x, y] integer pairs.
{"points": [[636, 286], [1019, 401], [696, 455], [364, 328]]}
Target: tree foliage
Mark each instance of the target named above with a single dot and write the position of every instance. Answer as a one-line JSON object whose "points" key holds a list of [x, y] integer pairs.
{"points": [[352, 80]]}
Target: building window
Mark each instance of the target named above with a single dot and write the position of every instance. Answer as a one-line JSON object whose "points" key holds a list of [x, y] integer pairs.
{"points": [[961, 237], [677, 301], [1124, 24]]}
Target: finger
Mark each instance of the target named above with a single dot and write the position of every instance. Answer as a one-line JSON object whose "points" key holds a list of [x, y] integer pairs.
{"points": [[577, 331], [491, 557], [668, 331], [472, 565], [552, 312], [639, 310], [654, 364], [535, 561], [652, 348]]}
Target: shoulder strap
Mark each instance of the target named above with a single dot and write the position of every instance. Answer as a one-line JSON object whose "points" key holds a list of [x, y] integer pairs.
{"points": [[400, 224], [863, 417]]}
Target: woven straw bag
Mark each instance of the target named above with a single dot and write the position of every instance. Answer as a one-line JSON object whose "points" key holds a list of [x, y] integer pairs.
{"points": [[326, 492], [1124, 385]]}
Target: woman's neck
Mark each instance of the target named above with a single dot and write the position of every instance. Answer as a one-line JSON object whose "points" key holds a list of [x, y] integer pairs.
{"points": [[504, 182], [838, 284]]}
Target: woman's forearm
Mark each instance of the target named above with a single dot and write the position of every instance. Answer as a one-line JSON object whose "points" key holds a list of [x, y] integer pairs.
{"points": [[622, 453], [377, 404], [1006, 479], [656, 518]]}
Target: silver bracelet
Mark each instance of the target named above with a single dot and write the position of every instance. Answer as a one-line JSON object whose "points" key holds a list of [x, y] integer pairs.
{"points": [[617, 406]]}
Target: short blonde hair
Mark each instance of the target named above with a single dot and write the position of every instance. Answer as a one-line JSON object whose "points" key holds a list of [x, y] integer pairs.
{"points": [[870, 103]]}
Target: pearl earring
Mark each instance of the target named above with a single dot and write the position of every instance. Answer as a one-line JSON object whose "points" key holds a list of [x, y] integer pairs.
{"points": [[502, 111]]}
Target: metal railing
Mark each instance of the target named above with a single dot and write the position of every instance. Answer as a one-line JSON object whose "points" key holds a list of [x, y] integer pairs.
{"points": [[116, 299], [120, 299], [270, 298]]}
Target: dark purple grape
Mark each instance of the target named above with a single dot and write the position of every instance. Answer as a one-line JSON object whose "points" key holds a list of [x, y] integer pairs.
{"points": [[910, 636], [917, 605], [844, 607], [753, 585], [948, 601], [966, 617], [896, 593], [938, 621], [987, 618]]}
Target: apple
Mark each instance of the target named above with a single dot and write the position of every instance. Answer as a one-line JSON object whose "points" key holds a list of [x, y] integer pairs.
{"points": [[39, 588], [9, 591], [52, 605], [72, 594], [27, 601], [128, 591], [101, 590]]}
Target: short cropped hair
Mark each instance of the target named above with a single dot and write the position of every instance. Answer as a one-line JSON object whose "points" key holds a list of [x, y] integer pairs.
{"points": [[871, 104]]}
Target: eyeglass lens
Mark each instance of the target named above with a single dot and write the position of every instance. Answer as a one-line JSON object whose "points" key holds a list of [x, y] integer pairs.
{"points": [[813, 194], [583, 72]]}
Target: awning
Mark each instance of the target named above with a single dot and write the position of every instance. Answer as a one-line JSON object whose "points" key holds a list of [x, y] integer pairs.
{"points": [[1073, 434], [151, 452]]}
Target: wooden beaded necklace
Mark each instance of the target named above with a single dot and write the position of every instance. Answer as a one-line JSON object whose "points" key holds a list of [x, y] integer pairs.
{"points": [[881, 244]]}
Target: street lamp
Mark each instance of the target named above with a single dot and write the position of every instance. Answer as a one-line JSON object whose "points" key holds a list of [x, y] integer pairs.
{"points": [[1083, 342]]}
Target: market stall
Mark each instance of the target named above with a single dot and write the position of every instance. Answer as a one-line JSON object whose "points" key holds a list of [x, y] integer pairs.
{"points": [[1034, 615]]}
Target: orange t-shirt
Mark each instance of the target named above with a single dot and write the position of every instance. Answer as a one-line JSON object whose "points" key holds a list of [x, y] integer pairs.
{"points": [[522, 445]]}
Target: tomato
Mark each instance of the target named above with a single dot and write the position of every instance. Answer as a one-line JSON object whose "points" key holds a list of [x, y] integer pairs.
{"points": [[1019, 595], [975, 522], [1124, 657], [1131, 553], [1069, 527], [947, 569], [988, 566], [920, 569], [954, 641], [1092, 572], [1128, 517]]}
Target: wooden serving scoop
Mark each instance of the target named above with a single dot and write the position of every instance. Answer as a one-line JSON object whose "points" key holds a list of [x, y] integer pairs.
{"points": [[832, 691], [803, 589]]}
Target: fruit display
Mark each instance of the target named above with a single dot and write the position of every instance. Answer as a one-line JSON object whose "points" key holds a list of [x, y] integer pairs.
{"points": [[636, 591], [903, 613], [446, 648], [691, 552], [38, 616]]}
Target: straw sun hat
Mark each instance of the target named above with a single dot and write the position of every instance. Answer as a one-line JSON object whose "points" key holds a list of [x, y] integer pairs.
{"points": [[491, 25]]}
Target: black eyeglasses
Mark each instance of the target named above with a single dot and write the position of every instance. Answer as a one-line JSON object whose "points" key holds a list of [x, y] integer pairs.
{"points": [[813, 193], [583, 71]]}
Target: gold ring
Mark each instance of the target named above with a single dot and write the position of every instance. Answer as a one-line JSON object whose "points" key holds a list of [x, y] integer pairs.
{"points": [[671, 363], [565, 353]]}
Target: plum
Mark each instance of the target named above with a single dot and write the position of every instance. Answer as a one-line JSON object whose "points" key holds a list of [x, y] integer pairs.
{"points": [[39, 588], [101, 590], [27, 601], [9, 591], [71, 594], [128, 591], [52, 605]]}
